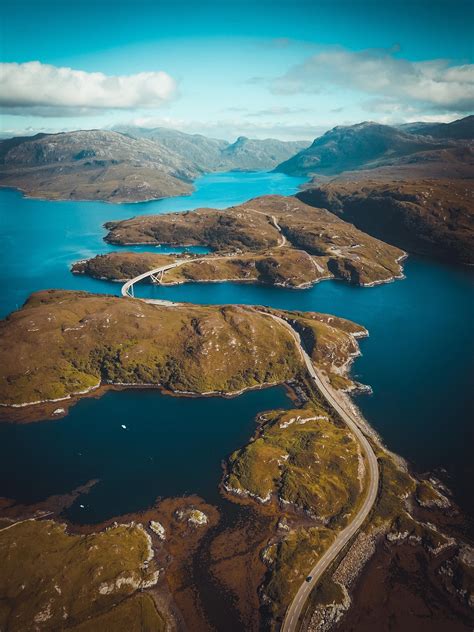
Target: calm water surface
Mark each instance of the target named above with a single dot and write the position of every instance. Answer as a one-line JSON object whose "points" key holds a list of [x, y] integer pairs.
{"points": [[169, 447], [41, 239], [418, 359]]}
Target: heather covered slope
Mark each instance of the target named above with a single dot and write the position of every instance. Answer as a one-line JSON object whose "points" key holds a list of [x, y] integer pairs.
{"points": [[410, 186], [433, 216], [50, 580], [364, 145], [230, 228], [267, 225], [66, 342], [62, 343], [93, 165], [301, 458]]}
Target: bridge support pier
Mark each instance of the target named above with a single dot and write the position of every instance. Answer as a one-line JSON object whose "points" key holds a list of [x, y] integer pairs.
{"points": [[157, 278]]}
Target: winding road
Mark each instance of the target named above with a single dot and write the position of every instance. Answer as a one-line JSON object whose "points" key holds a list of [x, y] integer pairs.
{"points": [[127, 288], [293, 613], [273, 220], [14, 524]]}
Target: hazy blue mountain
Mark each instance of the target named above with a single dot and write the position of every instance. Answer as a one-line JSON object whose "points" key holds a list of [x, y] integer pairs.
{"points": [[460, 129], [211, 154], [358, 146]]}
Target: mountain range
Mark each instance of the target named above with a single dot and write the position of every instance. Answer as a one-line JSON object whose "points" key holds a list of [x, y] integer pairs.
{"points": [[212, 154], [414, 191], [120, 167], [369, 145], [410, 186]]}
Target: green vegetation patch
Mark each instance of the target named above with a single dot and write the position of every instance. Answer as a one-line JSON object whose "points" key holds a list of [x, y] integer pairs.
{"points": [[395, 486], [61, 343], [330, 341], [135, 614], [50, 579], [302, 458], [291, 560]]}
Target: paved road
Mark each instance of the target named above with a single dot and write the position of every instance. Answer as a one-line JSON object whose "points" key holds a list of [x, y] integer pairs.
{"points": [[293, 613], [127, 288], [275, 223]]}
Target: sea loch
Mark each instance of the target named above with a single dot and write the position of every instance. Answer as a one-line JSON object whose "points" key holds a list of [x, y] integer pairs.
{"points": [[416, 359]]}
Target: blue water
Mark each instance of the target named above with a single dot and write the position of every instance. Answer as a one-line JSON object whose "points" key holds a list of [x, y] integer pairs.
{"points": [[418, 358], [170, 447], [41, 239]]}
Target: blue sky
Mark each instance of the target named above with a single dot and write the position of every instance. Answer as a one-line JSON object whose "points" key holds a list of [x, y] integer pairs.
{"points": [[281, 69]]}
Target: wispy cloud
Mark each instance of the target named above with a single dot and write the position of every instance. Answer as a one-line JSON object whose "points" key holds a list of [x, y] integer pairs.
{"points": [[255, 81], [37, 87], [230, 128], [278, 111], [437, 84]]}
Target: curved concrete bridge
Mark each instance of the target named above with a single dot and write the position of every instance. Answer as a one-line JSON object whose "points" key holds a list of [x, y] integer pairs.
{"points": [[156, 275]]}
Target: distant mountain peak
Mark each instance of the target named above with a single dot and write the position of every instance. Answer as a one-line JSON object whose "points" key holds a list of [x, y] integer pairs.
{"points": [[369, 144]]}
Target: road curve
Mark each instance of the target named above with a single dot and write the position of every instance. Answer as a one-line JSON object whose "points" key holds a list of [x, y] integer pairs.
{"points": [[127, 288], [293, 613], [274, 222], [294, 610]]}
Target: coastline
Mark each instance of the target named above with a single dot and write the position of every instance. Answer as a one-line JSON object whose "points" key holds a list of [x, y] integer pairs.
{"points": [[43, 410], [29, 196], [302, 286]]}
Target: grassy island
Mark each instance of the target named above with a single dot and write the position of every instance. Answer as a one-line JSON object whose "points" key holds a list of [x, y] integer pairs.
{"points": [[271, 239], [64, 343], [301, 458]]}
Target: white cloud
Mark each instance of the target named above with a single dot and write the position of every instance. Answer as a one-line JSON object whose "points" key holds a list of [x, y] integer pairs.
{"points": [[437, 84], [38, 86]]}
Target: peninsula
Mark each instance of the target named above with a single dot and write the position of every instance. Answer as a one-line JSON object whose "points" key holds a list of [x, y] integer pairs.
{"points": [[63, 344], [272, 239]]}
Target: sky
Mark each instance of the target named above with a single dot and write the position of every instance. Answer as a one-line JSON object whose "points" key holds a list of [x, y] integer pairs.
{"points": [[288, 70]]}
